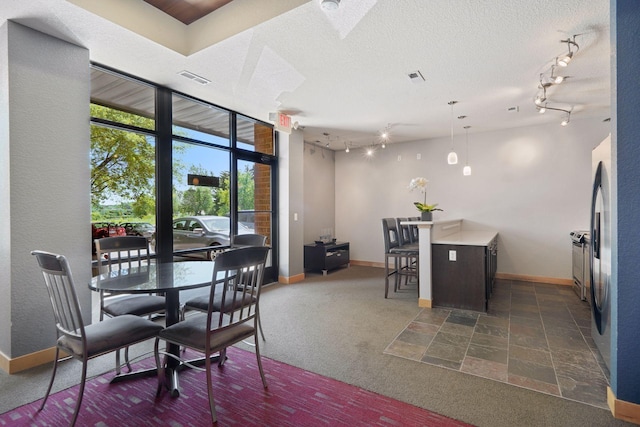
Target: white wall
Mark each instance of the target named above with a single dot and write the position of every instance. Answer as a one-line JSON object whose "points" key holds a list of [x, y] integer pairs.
{"points": [[319, 192], [290, 204], [531, 184], [45, 193]]}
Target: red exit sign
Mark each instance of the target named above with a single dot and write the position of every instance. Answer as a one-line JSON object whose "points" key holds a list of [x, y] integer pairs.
{"points": [[284, 121]]}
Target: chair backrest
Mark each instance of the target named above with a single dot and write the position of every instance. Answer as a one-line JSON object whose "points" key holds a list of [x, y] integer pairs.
{"points": [[62, 292], [122, 252], [249, 240], [414, 229], [237, 280], [390, 230], [404, 233]]}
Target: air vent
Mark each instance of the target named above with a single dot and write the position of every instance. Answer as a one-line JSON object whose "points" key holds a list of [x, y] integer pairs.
{"points": [[513, 109], [196, 78], [416, 77]]}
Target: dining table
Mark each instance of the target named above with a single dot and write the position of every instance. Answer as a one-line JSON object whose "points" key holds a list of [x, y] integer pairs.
{"points": [[168, 279]]}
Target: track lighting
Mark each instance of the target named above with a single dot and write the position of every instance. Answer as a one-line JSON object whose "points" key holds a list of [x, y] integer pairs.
{"points": [[346, 147], [542, 109], [563, 61], [566, 119], [555, 79], [452, 157]]}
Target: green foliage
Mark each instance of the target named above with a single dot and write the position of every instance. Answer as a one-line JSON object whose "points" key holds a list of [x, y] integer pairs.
{"points": [[246, 189], [423, 207], [122, 162]]}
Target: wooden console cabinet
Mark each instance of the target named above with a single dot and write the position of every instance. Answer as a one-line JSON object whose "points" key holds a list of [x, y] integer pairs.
{"points": [[325, 257]]}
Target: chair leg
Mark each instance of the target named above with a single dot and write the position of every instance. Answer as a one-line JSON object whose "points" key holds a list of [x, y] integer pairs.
{"points": [[386, 276], [159, 366], [80, 393], [53, 375], [126, 358], [117, 362], [264, 380], [260, 324], [223, 357], [212, 403]]}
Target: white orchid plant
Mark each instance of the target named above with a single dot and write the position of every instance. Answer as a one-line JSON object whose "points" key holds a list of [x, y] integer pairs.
{"points": [[420, 184]]}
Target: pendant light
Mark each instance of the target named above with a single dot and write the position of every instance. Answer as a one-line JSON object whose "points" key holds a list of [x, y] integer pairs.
{"points": [[467, 169], [452, 158]]}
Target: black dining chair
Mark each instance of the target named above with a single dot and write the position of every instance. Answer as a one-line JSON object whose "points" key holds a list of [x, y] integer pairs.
{"points": [[74, 338], [121, 252], [237, 281], [201, 302], [249, 240]]}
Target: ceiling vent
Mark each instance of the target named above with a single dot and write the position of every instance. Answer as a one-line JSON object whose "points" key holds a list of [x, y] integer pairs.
{"points": [[194, 77], [416, 77]]}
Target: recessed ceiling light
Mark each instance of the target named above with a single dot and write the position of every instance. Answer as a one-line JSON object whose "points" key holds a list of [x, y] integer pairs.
{"points": [[330, 4]]}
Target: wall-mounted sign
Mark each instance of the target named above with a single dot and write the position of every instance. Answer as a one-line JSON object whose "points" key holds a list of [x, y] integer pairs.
{"points": [[203, 180]]}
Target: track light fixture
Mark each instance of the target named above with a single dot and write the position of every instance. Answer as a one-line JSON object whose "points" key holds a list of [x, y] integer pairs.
{"points": [[554, 78], [564, 60], [346, 147], [452, 157], [550, 78]]}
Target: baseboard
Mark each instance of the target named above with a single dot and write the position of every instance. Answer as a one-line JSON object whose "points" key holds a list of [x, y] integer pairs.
{"points": [[31, 360], [426, 303], [537, 279], [367, 263], [291, 279], [622, 410]]}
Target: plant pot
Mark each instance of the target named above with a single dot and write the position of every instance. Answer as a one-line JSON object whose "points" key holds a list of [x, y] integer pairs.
{"points": [[426, 216]]}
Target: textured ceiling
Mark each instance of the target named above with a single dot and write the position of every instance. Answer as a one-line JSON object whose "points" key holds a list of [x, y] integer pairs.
{"points": [[345, 72]]}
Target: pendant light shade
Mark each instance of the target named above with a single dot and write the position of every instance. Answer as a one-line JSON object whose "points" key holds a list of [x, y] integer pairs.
{"points": [[452, 158], [466, 171]]}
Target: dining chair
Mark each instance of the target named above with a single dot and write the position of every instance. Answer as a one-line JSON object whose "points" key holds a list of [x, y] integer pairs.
{"points": [[201, 302], [394, 252], [73, 337], [115, 253], [212, 332], [249, 240]]}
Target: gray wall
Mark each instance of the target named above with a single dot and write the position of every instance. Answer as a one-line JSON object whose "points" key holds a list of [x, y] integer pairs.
{"points": [[45, 193], [531, 184]]}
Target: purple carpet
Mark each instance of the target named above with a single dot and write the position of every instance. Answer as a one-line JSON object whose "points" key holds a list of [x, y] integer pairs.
{"points": [[294, 398]]}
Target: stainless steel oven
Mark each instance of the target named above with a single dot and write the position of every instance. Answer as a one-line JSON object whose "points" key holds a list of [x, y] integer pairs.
{"points": [[578, 239]]}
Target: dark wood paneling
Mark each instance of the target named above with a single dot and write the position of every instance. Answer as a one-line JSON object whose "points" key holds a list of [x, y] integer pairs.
{"points": [[461, 283]]}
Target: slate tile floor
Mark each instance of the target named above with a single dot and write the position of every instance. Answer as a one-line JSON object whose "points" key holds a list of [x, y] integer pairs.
{"points": [[534, 335]]}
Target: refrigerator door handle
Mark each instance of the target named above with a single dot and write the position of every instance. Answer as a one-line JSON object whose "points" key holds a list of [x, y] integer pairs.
{"points": [[594, 250]]}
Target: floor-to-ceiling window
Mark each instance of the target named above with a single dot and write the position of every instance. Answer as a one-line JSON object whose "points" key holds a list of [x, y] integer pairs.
{"points": [[218, 181]]}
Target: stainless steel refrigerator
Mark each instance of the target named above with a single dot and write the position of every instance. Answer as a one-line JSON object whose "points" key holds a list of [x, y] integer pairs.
{"points": [[600, 249]]}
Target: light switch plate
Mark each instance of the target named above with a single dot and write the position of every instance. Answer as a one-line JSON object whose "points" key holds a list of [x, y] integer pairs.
{"points": [[452, 255]]}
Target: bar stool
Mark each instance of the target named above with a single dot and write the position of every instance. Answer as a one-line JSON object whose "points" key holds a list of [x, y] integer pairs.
{"points": [[393, 251]]}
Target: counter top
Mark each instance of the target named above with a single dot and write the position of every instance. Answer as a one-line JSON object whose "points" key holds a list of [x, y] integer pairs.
{"points": [[467, 237]]}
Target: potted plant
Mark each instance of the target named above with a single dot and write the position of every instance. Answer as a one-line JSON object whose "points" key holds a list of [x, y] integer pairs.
{"points": [[426, 211]]}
